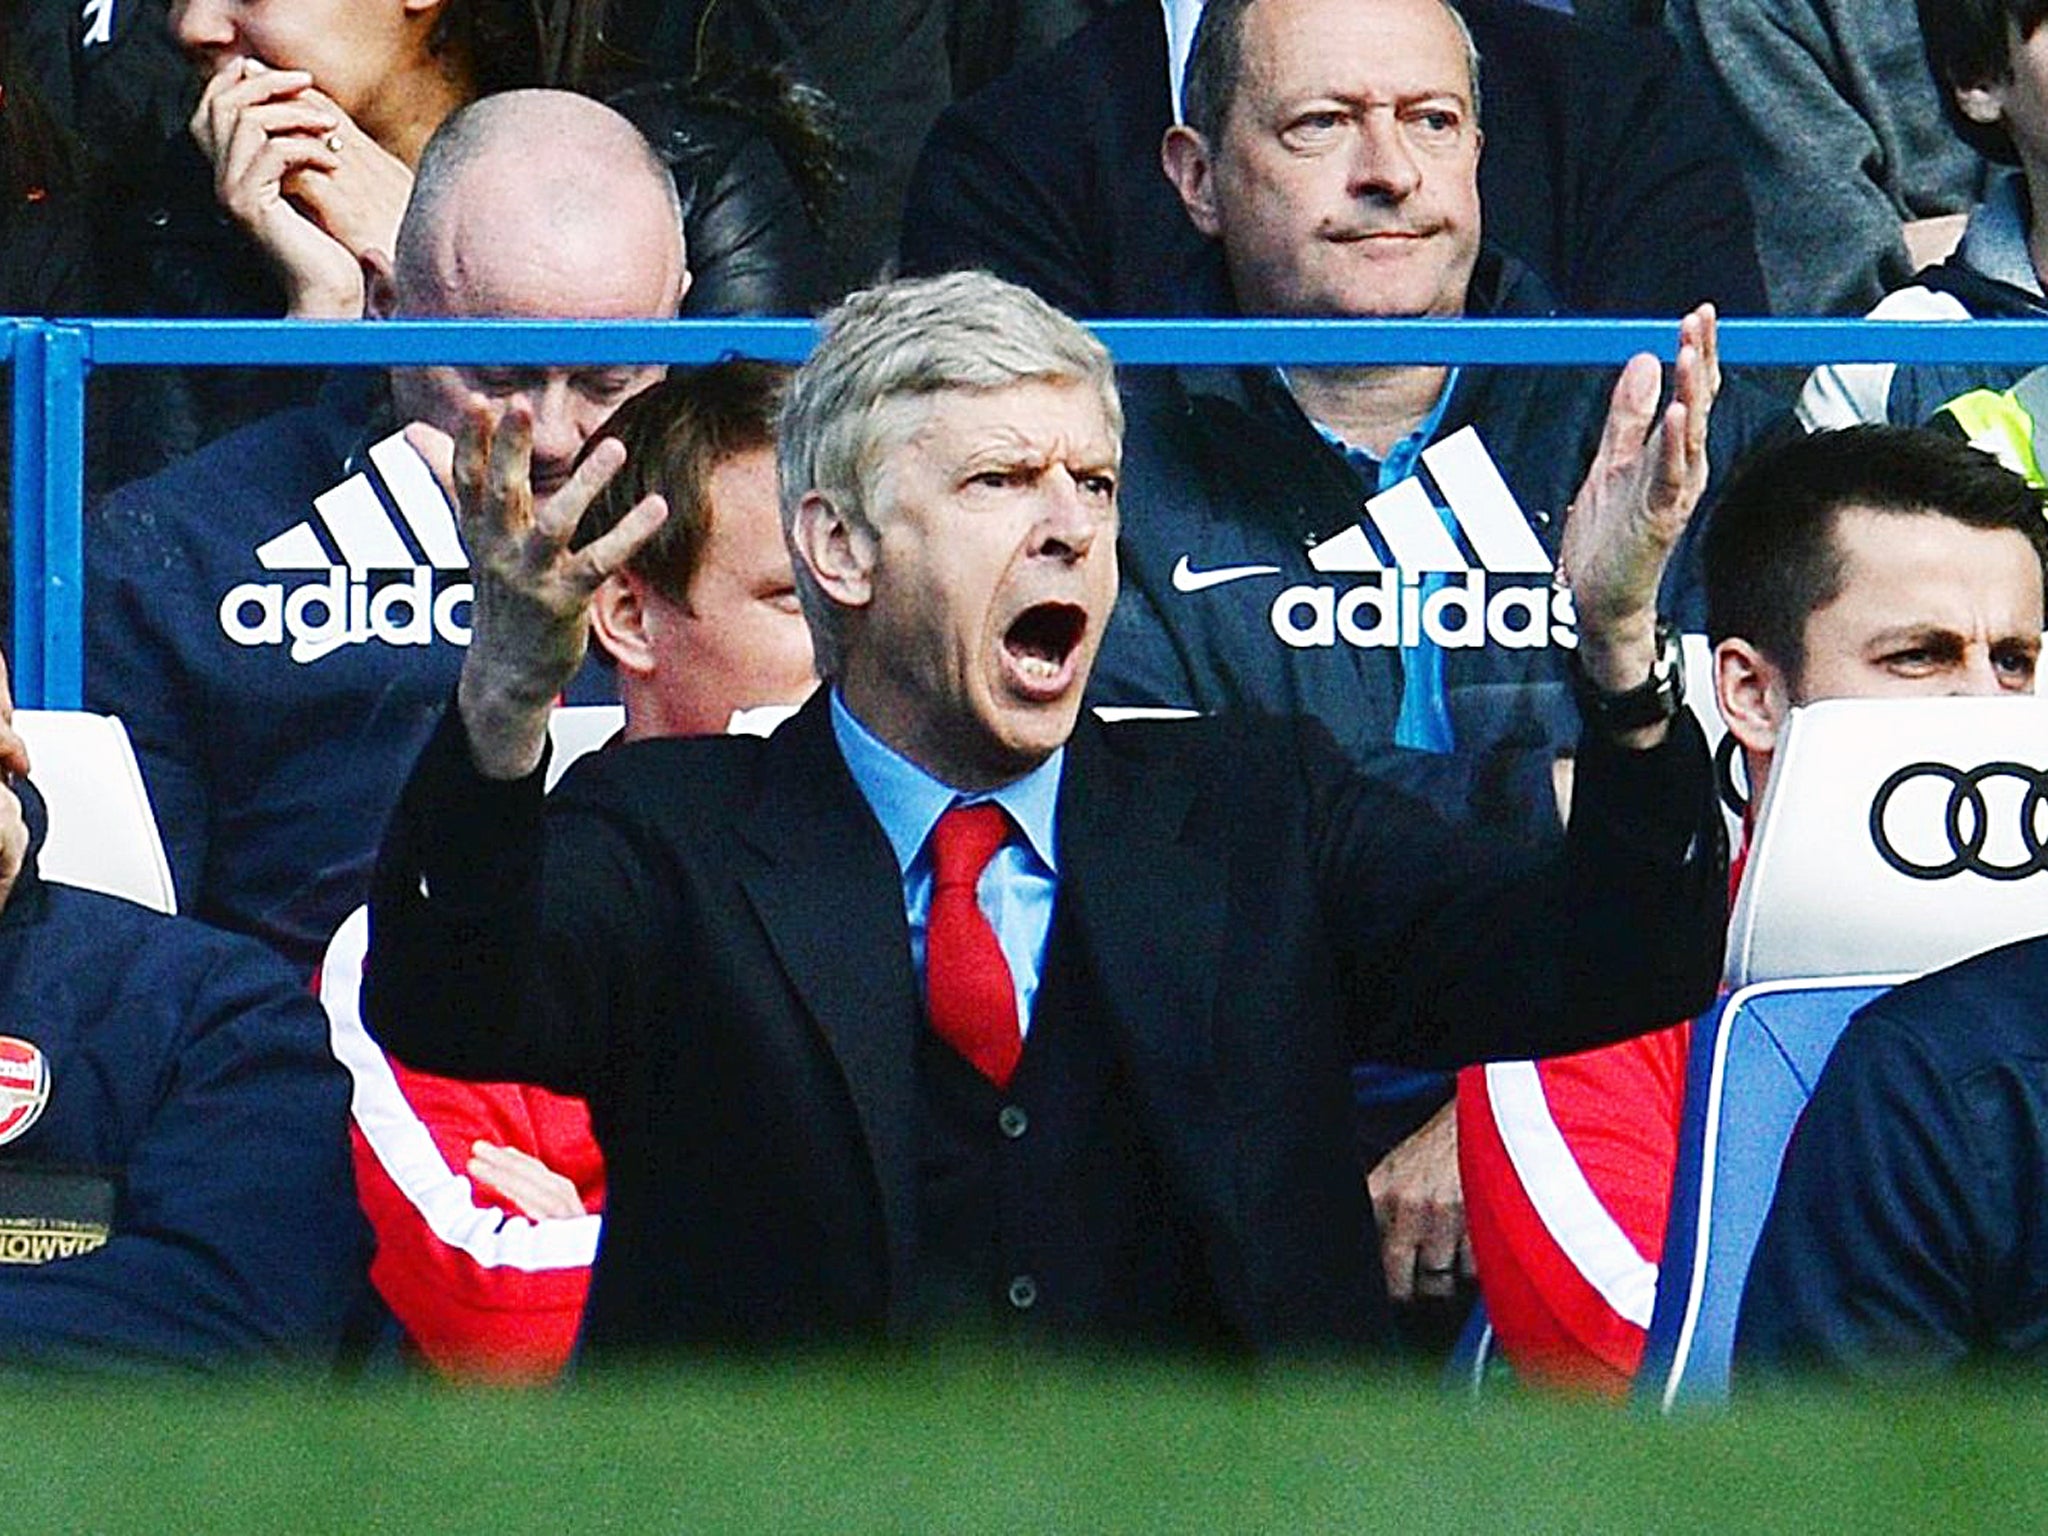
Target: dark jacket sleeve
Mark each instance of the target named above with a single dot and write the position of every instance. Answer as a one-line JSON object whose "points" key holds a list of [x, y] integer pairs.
{"points": [[1883, 1224], [1841, 134], [1608, 167], [751, 246], [972, 203], [1667, 220], [1462, 948], [1050, 177], [132, 649], [471, 972], [237, 1239]]}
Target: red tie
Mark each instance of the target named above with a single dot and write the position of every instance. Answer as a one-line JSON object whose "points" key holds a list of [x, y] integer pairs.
{"points": [[972, 1000]]}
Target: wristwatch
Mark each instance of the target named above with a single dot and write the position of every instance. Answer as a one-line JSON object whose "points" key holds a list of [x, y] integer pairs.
{"points": [[1653, 701]]}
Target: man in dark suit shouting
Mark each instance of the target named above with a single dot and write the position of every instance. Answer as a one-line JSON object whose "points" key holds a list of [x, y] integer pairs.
{"points": [[947, 1009]]}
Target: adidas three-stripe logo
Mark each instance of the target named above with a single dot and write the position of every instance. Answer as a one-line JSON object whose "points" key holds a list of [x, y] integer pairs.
{"points": [[1480, 502], [347, 607], [1461, 608]]}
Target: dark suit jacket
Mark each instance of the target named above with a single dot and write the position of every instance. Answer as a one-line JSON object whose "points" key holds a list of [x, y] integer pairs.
{"points": [[706, 939]]}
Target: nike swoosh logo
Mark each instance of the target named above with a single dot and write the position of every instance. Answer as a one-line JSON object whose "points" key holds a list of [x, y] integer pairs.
{"points": [[1187, 579]]}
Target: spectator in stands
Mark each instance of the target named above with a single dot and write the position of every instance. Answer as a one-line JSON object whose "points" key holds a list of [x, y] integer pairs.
{"points": [[312, 128], [888, 65], [1906, 1236], [174, 1181], [1990, 61], [1607, 170], [487, 1273], [276, 683], [1871, 562], [719, 943], [1856, 181], [306, 136], [1331, 152]]}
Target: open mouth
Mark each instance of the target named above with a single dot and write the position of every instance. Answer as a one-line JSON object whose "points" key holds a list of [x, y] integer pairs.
{"points": [[1041, 644]]}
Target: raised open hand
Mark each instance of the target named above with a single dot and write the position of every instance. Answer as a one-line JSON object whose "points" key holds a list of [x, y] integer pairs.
{"points": [[529, 621], [1645, 481]]}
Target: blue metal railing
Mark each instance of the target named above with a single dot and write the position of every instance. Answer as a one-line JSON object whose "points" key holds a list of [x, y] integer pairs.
{"points": [[51, 361]]}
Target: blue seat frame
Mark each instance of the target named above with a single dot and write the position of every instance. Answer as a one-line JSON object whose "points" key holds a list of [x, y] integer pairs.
{"points": [[1754, 1061]]}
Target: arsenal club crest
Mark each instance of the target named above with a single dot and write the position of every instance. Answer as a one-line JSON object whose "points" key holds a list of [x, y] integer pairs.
{"points": [[24, 1087]]}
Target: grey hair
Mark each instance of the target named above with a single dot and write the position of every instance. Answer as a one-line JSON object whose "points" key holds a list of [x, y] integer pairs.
{"points": [[1215, 67], [883, 354], [512, 121]]}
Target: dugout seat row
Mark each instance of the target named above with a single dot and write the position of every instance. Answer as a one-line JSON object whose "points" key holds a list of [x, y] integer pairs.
{"points": [[1896, 837]]}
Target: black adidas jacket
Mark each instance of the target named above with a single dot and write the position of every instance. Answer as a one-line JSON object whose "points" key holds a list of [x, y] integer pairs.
{"points": [[1223, 470], [273, 731]]}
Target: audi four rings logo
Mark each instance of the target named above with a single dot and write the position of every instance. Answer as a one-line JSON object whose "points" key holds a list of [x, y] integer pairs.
{"points": [[1967, 821]]}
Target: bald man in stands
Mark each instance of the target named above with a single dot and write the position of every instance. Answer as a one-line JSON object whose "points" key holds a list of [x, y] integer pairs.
{"points": [[280, 618]]}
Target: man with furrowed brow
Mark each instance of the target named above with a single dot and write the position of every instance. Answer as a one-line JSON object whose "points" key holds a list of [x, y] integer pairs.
{"points": [[948, 1009]]}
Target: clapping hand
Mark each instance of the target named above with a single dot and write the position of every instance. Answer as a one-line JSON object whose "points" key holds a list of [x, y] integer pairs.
{"points": [[1645, 481]]}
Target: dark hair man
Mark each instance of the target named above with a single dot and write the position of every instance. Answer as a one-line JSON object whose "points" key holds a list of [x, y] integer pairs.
{"points": [[947, 1007], [485, 1197], [278, 632], [1906, 1235], [703, 620], [1873, 562]]}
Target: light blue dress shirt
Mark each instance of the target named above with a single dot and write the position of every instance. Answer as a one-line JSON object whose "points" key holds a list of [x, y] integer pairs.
{"points": [[1016, 890], [1425, 719]]}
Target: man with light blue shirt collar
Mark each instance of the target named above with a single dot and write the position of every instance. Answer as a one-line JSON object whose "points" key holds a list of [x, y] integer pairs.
{"points": [[1025, 871], [949, 1008], [1376, 546]]}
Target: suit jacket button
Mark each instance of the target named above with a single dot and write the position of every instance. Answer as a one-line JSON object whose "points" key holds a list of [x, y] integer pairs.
{"points": [[1013, 1122], [1023, 1293]]}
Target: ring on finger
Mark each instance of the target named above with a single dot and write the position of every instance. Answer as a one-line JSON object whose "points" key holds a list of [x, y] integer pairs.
{"points": [[333, 142]]}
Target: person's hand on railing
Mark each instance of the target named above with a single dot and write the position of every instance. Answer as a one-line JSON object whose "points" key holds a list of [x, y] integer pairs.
{"points": [[310, 187]]}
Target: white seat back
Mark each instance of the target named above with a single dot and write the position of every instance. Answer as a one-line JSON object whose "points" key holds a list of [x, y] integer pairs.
{"points": [[575, 729], [1896, 836], [103, 835], [1706, 708]]}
